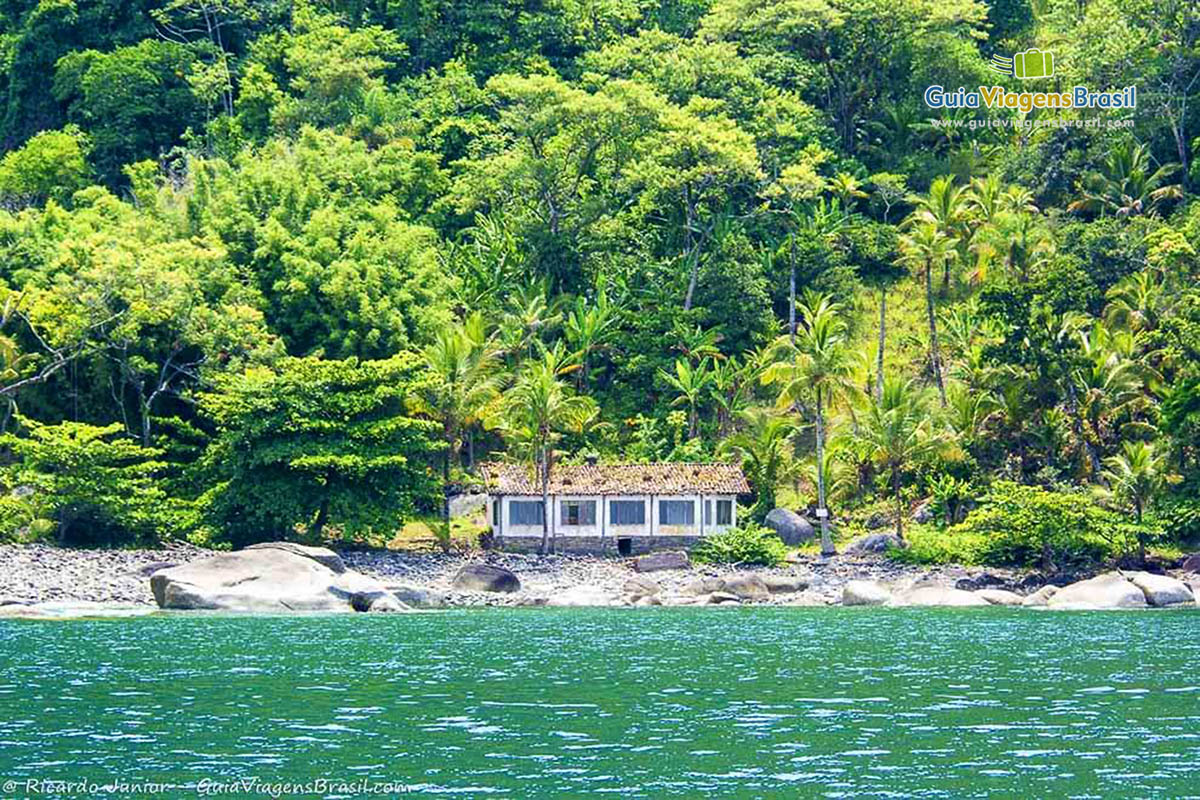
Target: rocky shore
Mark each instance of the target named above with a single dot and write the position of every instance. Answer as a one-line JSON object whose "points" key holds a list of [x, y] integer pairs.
{"points": [[41, 574]]}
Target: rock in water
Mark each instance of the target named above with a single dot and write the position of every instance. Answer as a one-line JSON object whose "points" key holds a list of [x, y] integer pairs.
{"points": [[1110, 590], [668, 559], [1161, 590], [864, 593], [999, 597], [416, 596], [874, 543], [1040, 598], [264, 579], [940, 596], [792, 528], [321, 555], [485, 578]]}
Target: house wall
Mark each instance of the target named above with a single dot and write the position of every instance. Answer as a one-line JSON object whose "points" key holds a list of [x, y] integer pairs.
{"points": [[582, 537]]}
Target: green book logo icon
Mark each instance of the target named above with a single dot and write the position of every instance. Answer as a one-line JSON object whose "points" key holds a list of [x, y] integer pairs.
{"points": [[1029, 64]]}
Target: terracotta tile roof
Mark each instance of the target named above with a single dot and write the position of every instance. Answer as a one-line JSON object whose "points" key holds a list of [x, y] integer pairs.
{"points": [[673, 478]]}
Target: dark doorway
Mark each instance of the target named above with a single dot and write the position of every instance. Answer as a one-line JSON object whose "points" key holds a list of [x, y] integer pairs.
{"points": [[624, 546]]}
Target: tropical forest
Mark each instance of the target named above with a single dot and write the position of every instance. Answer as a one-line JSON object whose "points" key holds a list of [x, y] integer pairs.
{"points": [[293, 269]]}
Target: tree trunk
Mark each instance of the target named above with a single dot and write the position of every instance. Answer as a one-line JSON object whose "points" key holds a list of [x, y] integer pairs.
{"points": [[935, 356], [545, 468], [827, 548], [882, 341], [314, 530], [792, 289], [445, 543]]}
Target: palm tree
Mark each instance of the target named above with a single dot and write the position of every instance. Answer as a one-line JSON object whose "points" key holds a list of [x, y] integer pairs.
{"points": [[465, 384], [537, 410], [896, 433], [819, 362], [1126, 185], [691, 383], [763, 444], [925, 248], [588, 329], [1136, 476], [947, 209], [1138, 302]]}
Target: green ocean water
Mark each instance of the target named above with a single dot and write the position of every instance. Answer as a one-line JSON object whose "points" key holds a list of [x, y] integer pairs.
{"points": [[744, 702]]}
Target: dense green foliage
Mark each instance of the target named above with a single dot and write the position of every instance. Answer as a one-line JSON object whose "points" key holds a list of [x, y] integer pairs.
{"points": [[746, 544], [670, 230]]}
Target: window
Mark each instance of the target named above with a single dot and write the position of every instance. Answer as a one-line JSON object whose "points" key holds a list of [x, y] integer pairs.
{"points": [[525, 512], [708, 512], [496, 513], [676, 512], [627, 512], [578, 512], [724, 512]]}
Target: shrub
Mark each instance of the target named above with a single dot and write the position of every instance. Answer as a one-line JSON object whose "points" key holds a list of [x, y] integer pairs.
{"points": [[748, 544], [1027, 526]]}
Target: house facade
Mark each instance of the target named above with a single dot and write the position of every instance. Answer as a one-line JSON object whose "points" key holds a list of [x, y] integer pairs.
{"points": [[618, 508]]}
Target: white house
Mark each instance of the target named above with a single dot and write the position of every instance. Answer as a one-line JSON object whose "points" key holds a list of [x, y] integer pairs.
{"points": [[628, 508]]}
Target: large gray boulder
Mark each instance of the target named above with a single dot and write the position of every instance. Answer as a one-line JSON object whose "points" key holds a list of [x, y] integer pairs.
{"points": [[874, 543], [1161, 590], [700, 586], [785, 584], [1040, 598], [321, 555], [747, 587], [1191, 563], [639, 586], [480, 577], [266, 579], [667, 559], [792, 528], [1110, 590], [1000, 597], [939, 596], [865, 593]]}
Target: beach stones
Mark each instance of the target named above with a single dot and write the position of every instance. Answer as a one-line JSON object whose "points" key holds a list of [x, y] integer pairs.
{"points": [[640, 586], [1191, 563], [1040, 598], [479, 577], [792, 528], [667, 559]]}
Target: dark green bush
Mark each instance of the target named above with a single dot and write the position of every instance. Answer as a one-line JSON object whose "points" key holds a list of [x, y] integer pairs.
{"points": [[1028, 526], [748, 544]]}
